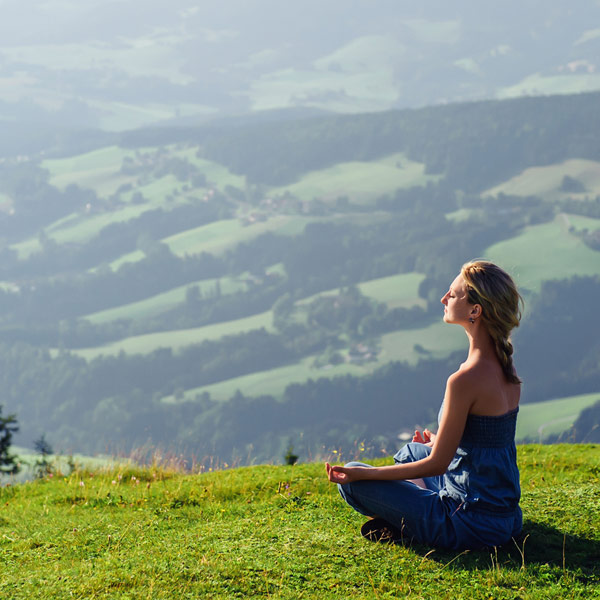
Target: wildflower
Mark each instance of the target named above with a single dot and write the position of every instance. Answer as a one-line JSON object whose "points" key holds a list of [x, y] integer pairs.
{"points": [[81, 484], [114, 482]]}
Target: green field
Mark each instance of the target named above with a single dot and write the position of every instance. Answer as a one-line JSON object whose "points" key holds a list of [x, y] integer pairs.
{"points": [[539, 420], [544, 252], [274, 381], [358, 77], [545, 181], [221, 236], [283, 532], [397, 291], [177, 339], [361, 182], [437, 340], [543, 85], [216, 174], [154, 305], [98, 170]]}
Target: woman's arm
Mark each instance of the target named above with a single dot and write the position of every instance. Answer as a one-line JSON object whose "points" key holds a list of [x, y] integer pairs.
{"points": [[457, 403]]}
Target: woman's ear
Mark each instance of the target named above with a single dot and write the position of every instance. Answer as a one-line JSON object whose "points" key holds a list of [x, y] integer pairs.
{"points": [[476, 311]]}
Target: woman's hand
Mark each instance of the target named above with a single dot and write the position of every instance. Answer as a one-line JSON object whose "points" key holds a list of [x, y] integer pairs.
{"points": [[427, 437], [337, 474]]}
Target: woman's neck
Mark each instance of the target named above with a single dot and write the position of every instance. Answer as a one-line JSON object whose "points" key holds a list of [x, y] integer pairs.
{"points": [[481, 344]]}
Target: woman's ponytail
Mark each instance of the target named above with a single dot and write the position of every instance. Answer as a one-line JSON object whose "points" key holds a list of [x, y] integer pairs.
{"points": [[494, 290]]}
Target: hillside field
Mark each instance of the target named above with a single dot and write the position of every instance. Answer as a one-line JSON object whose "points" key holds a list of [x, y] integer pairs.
{"points": [[544, 252], [539, 420], [282, 532]]}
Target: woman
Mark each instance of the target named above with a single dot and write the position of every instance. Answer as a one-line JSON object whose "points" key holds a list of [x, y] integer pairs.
{"points": [[460, 488]]}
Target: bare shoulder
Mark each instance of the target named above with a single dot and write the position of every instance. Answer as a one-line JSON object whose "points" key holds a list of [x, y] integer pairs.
{"points": [[465, 377], [461, 386]]}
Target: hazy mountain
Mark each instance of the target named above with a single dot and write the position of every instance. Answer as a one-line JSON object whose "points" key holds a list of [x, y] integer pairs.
{"points": [[117, 65]]}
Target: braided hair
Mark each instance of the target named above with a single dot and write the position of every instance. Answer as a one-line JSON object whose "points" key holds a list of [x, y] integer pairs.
{"points": [[493, 288]]}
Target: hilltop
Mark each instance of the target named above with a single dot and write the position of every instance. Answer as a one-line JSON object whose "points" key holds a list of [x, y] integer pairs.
{"points": [[282, 532]]}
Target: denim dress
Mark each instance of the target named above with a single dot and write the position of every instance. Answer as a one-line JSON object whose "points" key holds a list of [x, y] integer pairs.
{"points": [[474, 504]]}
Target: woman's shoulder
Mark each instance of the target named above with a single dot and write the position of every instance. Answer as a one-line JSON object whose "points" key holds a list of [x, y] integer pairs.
{"points": [[469, 374]]}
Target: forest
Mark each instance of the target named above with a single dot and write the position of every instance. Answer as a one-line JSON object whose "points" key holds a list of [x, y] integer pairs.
{"points": [[205, 229]]}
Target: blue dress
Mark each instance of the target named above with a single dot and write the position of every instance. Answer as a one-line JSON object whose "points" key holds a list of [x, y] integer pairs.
{"points": [[474, 504]]}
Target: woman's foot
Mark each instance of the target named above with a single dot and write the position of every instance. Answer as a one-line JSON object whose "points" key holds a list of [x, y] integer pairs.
{"points": [[378, 530]]}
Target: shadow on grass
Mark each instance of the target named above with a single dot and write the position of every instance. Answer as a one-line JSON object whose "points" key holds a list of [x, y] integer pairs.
{"points": [[538, 544]]}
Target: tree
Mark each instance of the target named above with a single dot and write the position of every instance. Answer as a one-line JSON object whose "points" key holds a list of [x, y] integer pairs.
{"points": [[8, 462], [42, 464]]}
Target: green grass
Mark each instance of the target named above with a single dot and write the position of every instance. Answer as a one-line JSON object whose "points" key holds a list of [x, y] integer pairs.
{"points": [[215, 173], [274, 381], [397, 291], [545, 181], [544, 252], [541, 85], [358, 77], [539, 420], [154, 305], [361, 182], [283, 532], [97, 170], [221, 236], [216, 238], [437, 340], [179, 338]]}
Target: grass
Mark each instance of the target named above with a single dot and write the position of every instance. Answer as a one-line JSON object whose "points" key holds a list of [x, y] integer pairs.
{"points": [[546, 181], [274, 381], [361, 182], [282, 532], [154, 305], [539, 420], [358, 77], [545, 85], [397, 291], [544, 252], [436, 340], [98, 170], [216, 238], [179, 338]]}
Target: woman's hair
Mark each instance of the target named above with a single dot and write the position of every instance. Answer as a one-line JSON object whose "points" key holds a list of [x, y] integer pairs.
{"points": [[496, 292]]}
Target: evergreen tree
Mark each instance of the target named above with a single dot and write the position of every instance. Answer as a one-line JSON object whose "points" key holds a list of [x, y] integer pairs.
{"points": [[8, 462]]}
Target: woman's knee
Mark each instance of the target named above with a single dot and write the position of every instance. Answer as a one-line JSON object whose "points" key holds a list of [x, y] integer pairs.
{"points": [[412, 452]]}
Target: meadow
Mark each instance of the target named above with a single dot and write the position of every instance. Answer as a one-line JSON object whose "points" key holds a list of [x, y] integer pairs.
{"points": [[546, 181], [361, 182], [552, 253], [146, 343], [282, 532], [159, 303], [540, 420]]}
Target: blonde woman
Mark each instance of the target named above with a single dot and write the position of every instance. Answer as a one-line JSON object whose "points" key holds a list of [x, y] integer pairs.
{"points": [[458, 488]]}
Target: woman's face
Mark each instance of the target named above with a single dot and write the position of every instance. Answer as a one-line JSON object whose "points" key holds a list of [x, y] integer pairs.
{"points": [[456, 304]]}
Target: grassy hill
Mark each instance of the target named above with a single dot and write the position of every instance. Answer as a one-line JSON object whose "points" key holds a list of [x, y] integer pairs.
{"points": [[539, 421], [282, 532]]}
